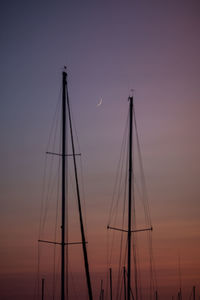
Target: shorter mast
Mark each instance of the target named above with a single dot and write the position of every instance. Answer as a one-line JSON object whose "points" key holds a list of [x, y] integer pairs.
{"points": [[130, 198], [64, 82], [127, 288]]}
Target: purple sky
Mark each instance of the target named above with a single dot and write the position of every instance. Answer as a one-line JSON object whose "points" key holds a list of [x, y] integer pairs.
{"points": [[109, 47]]}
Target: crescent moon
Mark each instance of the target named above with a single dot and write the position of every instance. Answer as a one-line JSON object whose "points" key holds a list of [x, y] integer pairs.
{"points": [[100, 102]]}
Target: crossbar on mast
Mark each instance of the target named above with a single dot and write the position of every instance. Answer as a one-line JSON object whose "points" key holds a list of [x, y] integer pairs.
{"points": [[57, 243], [136, 230], [59, 154]]}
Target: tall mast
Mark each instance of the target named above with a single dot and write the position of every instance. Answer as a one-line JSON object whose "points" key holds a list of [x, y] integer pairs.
{"points": [[130, 199], [64, 241], [87, 273], [64, 82]]}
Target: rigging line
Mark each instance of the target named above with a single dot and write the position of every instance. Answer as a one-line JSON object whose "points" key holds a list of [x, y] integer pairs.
{"points": [[140, 294], [143, 181], [45, 204], [123, 213], [36, 288], [120, 183], [49, 196], [124, 263], [50, 175], [125, 253], [81, 171], [83, 195], [56, 223], [47, 291], [153, 263], [151, 287], [50, 183], [74, 129], [149, 238], [54, 117], [107, 262], [121, 286], [118, 170], [149, 241], [40, 225], [116, 206], [73, 186], [42, 196], [117, 192], [107, 283], [119, 267], [58, 268], [123, 216], [134, 243], [135, 264], [86, 264], [145, 204]]}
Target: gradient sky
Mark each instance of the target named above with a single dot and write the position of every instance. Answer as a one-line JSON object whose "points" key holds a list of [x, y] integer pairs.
{"points": [[109, 47]]}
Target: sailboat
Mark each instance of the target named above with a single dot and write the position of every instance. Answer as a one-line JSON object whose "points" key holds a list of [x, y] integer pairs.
{"points": [[130, 228], [64, 243]]}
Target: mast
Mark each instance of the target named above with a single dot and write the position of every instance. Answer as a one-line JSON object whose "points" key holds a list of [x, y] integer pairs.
{"points": [[42, 288], [193, 289], [64, 82], [127, 290], [64, 241], [156, 295], [130, 199], [110, 272], [87, 273]]}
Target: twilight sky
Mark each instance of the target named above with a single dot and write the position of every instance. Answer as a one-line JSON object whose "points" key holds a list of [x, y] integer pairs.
{"points": [[109, 47]]}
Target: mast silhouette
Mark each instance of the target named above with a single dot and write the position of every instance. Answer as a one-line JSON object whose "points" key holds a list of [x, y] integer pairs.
{"points": [[87, 273], [42, 288], [127, 284], [110, 272], [130, 197], [64, 84], [64, 242]]}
